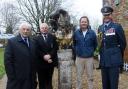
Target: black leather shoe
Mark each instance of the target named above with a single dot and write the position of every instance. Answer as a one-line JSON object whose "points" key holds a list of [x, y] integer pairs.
{"points": [[98, 68]]}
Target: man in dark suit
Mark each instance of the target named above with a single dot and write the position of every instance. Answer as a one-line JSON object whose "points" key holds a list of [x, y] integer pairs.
{"points": [[19, 59], [47, 49], [112, 48]]}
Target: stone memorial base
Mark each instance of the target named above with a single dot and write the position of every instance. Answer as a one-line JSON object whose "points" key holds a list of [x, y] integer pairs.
{"points": [[65, 69]]}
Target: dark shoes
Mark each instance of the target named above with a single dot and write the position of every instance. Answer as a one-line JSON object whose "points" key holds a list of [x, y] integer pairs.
{"points": [[121, 70], [98, 68]]}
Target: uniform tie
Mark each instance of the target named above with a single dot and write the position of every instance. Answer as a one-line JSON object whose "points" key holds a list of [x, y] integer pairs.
{"points": [[105, 27]]}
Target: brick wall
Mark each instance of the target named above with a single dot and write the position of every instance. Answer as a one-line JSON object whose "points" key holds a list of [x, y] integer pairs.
{"points": [[120, 15]]}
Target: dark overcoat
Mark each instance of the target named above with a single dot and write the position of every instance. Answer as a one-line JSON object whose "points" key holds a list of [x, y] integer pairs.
{"points": [[19, 62]]}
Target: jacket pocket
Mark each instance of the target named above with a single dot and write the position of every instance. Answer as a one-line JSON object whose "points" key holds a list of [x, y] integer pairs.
{"points": [[116, 57]]}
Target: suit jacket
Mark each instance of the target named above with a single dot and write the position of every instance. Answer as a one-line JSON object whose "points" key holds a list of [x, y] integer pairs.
{"points": [[112, 46], [20, 60], [49, 47]]}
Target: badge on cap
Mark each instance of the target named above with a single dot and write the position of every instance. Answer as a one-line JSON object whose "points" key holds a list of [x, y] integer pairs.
{"points": [[105, 9]]}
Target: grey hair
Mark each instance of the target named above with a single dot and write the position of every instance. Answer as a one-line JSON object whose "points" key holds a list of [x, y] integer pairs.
{"points": [[44, 24], [25, 24]]}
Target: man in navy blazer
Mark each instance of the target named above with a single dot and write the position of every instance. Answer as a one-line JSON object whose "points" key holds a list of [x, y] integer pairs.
{"points": [[112, 48], [47, 56], [19, 60]]}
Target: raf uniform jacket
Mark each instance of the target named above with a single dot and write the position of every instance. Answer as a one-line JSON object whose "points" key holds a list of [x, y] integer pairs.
{"points": [[112, 46], [46, 47], [19, 62]]}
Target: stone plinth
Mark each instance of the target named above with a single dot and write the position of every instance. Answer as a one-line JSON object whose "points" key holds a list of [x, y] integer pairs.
{"points": [[65, 69]]}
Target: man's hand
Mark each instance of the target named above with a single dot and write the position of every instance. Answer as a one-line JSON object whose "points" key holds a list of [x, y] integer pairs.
{"points": [[47, 58]]}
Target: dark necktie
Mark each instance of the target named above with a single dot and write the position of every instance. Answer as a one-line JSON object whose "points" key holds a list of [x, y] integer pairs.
{"points": [[105, 27], [25, 40], [45, 38]]}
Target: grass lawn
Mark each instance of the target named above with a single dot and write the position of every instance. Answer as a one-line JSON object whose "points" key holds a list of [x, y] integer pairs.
{"points": [[2, 71]]}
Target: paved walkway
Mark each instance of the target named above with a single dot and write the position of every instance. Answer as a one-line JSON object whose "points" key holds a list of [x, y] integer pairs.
{"points": [[3, 82], [123, 84], [123, 80]]}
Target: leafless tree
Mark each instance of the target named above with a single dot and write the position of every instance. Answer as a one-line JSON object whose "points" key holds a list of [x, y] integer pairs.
{"points": [[36, 11], [9, 17]]}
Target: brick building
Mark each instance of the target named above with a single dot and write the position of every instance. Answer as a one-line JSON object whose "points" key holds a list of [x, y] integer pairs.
{"points": [[120, 15]]}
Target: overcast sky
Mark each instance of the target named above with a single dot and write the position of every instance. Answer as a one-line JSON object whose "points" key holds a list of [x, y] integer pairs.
{"points": [[91, 8]]}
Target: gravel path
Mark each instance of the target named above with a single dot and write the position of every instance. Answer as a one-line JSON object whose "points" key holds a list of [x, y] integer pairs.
{"points": [[123, 84], [3, 82]]}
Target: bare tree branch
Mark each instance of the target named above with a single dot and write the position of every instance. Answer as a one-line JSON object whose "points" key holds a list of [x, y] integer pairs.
{"points": [[34, 11], [9, 17]]}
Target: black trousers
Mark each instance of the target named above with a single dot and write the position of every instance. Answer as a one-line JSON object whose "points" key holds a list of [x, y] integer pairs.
{"points": [[45, 78], [110, 77], [21, 84]]}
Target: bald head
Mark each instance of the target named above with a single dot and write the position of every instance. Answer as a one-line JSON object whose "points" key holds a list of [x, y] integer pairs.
{"points": [[44, 28]]}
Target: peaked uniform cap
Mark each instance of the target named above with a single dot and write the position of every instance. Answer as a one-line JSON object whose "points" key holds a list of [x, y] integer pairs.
{"points": [[106, 10]]}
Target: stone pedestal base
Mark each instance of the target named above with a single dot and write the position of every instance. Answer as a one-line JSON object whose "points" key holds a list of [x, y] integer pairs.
{"points": [[65, 69]]}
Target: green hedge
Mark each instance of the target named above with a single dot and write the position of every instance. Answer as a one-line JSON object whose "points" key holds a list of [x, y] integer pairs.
{"points": [[2, 70]]}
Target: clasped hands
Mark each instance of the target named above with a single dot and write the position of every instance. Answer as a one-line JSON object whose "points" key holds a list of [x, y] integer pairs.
{"points": [[47, 58]]}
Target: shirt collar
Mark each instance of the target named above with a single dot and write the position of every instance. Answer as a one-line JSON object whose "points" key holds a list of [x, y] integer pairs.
{"points": [[24, 37], [107, 23]]}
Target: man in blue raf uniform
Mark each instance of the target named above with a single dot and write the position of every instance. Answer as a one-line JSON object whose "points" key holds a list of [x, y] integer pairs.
{"points": [[112, 48]]}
